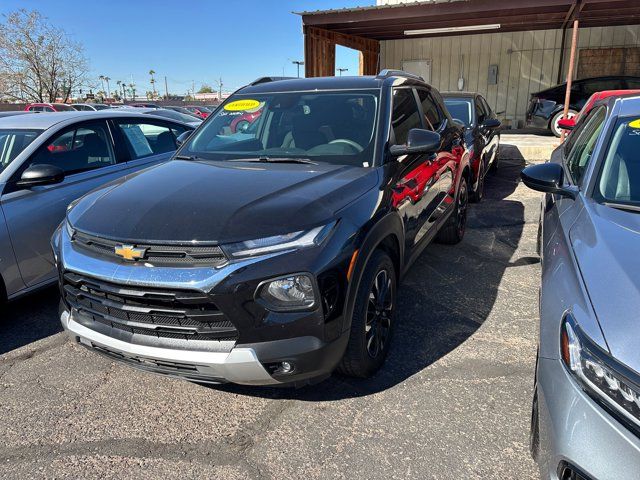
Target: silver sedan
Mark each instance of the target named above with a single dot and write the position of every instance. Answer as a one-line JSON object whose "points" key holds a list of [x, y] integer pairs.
{"points": [[586, 406], [50, 159]]}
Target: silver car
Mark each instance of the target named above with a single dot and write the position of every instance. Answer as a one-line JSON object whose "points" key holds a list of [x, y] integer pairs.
{"points": [[49, 160], [586, 406]]}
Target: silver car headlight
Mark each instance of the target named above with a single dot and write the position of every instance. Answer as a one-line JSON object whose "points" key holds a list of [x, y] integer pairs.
{"points": [[289, 241], [605, 379]]}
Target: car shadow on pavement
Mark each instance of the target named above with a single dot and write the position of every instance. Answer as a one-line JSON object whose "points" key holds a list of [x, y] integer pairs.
{"points": [[29, 319], [444, 298]]}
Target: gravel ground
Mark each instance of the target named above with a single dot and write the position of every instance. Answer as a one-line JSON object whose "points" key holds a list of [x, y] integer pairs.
{"points": [[453, 400]]}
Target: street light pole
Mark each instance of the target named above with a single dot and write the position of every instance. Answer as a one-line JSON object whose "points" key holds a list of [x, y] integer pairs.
{"points": [[298, 63], [340, 70]]}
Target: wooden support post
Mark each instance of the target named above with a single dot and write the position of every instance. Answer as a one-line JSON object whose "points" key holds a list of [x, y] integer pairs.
{"points": [[572, 60], [320, 51]]}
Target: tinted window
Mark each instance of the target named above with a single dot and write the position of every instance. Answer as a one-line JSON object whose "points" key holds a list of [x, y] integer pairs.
{"points": [[460, 109], [405, 114], [582, 149], [633, 84], [619, 180], [84, 148], [145, 138], [432, 115], [12, 142], [591, 87]]}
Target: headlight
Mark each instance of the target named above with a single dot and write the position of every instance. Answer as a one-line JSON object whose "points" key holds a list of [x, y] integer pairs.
{"points": [[289, 241], [293, 292], [606, 380]]}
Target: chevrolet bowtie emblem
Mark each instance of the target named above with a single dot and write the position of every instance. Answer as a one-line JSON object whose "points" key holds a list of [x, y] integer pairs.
{"points": [[128, 252]]}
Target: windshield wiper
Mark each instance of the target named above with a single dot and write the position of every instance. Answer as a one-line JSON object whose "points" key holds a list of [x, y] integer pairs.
{"points": [[623, 206], [274, 160]]}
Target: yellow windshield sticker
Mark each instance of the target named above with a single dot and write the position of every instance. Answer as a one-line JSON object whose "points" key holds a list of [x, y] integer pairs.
{"points": [[241, 105], [635, 123]]}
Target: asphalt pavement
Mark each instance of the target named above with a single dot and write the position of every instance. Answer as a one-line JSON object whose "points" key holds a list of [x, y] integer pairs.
{"points": [[453, 400]]}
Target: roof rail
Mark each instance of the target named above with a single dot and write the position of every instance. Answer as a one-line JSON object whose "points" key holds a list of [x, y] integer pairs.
{"points": [[268, 79], [387, 72]]}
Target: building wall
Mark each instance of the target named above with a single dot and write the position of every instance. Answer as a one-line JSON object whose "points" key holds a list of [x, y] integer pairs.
{"points": [[527, 61]]}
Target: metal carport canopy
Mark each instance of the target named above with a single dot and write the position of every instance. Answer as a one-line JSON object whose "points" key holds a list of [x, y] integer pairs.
{"points": [[387, 22]]}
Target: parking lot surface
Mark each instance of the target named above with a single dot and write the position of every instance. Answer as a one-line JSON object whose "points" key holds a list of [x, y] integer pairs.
{"points": [[453, 400]]}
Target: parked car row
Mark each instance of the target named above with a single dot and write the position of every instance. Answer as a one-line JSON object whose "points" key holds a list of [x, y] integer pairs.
{"points": [[585, 421]]}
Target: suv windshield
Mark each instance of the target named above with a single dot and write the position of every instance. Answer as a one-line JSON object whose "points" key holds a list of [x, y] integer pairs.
{"points": [[619, 180], [332, 126], [460, 109], [12, 142]]}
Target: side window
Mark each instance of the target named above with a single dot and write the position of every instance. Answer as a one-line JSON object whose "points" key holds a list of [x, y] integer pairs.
{"points": [[144, 139], [633, 84], [480, 115], [178, 130], [405, 114], [485, 106], [77, 150], [432, 117], [48, 109], [582, 149]]}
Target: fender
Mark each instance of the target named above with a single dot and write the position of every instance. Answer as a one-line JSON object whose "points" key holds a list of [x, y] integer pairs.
{"points": [[390, 224]]}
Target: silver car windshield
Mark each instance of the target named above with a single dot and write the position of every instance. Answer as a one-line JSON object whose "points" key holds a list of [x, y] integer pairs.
{"points": [[14, 141], [332, 126], [619, 180]]}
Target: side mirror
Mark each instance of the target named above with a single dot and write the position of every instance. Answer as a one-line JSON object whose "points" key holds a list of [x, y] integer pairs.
{"points": [[492, 123], [42, 174], [547, 178], [418, 141], [567, 123], [183, 137]]}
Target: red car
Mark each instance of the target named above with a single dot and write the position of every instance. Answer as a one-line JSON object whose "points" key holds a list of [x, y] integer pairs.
{"points": [[49, 107], [569, 123], [202, 112]]}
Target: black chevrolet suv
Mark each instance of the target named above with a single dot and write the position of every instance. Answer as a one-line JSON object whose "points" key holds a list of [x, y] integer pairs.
{"points": [[269, 249]]}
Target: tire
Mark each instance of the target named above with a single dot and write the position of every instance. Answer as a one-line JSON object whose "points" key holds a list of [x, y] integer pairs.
{"points": [[372, 325], [478, 194], [496, 161], [453, 231], [534, 431], [553, 124]]}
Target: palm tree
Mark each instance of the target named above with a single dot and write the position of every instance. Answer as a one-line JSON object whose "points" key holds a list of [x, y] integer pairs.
{"points": [[101, 78], [132, 88], [152, 72], [120, 86], [106, 79]]}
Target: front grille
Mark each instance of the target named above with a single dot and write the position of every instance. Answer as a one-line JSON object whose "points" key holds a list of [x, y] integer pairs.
{"points": [[165, 255], [176, 314]]}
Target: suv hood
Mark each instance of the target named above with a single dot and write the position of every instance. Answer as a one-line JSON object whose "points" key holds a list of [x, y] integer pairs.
{"points": [[606, 242], [185, 201]]}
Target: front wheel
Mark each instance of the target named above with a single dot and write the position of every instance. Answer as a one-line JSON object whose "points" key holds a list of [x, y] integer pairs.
{"points": [[453, 231], [478, 194], [372, 323]]}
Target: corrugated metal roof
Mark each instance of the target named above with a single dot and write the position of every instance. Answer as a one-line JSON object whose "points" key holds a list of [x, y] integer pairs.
{"points": [[376, 7]]}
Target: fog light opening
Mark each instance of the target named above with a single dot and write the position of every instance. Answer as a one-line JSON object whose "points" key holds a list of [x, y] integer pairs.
{"points": [[281, 368]]}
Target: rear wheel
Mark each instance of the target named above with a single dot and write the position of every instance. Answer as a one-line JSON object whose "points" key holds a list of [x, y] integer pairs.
{"points": [[553, 125], [372, 323], [453, 230]]}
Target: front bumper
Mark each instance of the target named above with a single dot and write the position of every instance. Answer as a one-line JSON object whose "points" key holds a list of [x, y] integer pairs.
{"points": [[576, 430], [312, 359], [312, 341]]}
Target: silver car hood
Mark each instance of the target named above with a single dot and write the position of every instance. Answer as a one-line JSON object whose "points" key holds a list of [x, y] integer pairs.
{"points": [[606, 242]]}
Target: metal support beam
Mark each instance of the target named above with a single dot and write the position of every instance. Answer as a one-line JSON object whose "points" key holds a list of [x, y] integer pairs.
{"points": [[570, 72]]}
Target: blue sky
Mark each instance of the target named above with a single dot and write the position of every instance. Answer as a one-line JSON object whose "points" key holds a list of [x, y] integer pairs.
{"points": [[194, 40]]}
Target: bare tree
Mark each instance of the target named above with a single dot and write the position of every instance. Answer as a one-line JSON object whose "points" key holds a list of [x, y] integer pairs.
{"points": [[38, 62]]}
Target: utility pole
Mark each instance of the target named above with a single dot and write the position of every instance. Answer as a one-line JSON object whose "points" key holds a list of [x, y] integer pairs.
{"points": [[166, 89], [298, 63], [340, 70], [220, 90]]}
